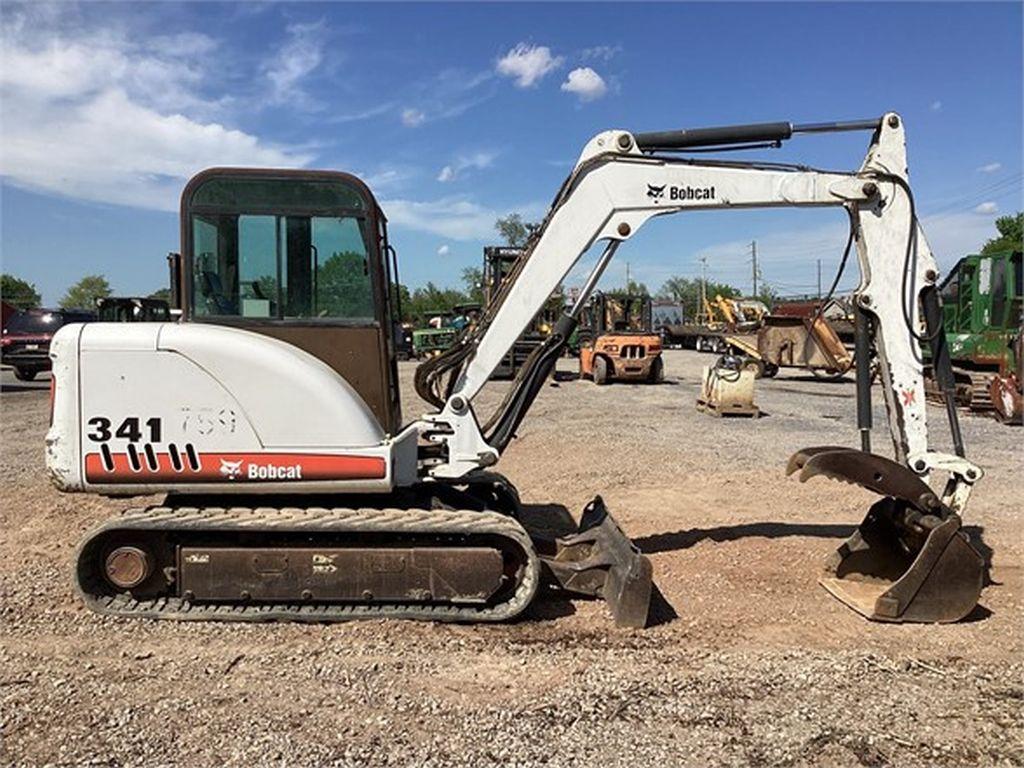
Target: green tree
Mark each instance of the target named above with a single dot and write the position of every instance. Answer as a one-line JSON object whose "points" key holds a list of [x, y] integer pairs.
{"points": [[680, 289], [430, 300], [1011, 235], [401, 300], [19, 293], [161, 293], [686, 291], [342, 289], [637, 289], [84, 293], [473, 281], [514, 230], [768, 295]]}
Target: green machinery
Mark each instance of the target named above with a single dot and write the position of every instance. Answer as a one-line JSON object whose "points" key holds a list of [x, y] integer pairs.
{"points": [[982, 298], [427, 342], [444, 329]]}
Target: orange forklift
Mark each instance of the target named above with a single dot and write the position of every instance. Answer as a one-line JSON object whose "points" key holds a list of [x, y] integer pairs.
{"points": [[618, 343]]}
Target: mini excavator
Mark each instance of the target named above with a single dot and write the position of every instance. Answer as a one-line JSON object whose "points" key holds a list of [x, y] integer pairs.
{"points": [[270, 418]]}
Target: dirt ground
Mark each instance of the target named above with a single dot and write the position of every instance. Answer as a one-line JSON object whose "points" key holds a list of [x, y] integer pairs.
{"points": [[750, 661]]}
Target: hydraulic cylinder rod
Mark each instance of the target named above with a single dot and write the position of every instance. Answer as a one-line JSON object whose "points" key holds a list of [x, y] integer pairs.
{"points": [[862, 356], [725, 135]]}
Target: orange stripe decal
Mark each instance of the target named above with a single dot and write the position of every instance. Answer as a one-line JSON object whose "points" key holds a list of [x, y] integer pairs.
{"points": [[236, 467]]}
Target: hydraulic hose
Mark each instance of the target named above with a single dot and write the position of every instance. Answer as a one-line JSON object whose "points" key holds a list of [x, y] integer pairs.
{"points": [[535, 371]]}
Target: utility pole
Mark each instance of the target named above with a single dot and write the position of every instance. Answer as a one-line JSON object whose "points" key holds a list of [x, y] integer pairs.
{"points": [[753, 258], [627, 277], [703, 284], [819, 279]]}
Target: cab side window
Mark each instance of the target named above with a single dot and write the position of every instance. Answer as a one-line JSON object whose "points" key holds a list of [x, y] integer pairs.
{"points": [[282, 267]]}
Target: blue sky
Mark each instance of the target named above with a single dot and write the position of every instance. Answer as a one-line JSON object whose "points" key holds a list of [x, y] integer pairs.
{"points": [[456, 114]]}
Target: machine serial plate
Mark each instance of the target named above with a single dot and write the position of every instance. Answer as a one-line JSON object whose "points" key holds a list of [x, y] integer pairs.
{"points": [[382, 574]]}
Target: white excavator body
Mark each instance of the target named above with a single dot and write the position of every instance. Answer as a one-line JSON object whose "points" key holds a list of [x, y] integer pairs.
{"points": [[288, 498], [164, 407]]}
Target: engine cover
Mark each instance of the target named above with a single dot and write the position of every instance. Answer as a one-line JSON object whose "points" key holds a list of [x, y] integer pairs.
{"points": [[157, 407]]}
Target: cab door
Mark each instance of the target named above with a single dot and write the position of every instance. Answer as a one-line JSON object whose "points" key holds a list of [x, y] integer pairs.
{"points": [[297, 256]]}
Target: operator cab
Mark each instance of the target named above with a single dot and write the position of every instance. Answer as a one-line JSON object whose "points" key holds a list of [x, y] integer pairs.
{"points": [[301, 256], [620, 313]]}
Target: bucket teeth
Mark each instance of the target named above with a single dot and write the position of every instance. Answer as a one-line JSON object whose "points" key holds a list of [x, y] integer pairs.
{"points": [[868, 470], [798, 459]]}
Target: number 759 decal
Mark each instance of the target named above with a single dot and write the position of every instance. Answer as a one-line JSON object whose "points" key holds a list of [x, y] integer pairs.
{"points": [[130, 429]]}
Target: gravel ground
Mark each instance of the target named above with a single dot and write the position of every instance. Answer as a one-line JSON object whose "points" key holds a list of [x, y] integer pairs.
{"points": [[750, 662]]}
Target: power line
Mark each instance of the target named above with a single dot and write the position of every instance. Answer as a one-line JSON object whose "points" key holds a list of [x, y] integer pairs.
{"points": [[954, 201], [997, 190]]}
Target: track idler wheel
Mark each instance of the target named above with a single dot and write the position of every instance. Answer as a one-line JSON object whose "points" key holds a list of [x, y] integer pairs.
{"points": [[909, 560]]}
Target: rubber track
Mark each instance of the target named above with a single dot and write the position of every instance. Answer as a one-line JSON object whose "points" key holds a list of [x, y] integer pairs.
{"points": [[311, 520], [981, 399]]}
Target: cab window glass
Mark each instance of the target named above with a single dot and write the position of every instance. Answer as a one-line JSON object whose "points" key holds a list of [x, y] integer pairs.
{"points": [[342, 268], [282, 267]]}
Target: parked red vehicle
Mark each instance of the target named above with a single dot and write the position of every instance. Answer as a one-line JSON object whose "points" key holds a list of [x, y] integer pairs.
{"points": [[25, 343]]}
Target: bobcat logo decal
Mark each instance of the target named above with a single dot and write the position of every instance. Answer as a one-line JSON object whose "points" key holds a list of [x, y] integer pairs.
{"points": [[230, 469], [654, 192]]}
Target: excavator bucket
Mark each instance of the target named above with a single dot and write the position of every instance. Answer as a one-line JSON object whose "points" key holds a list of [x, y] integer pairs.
{"points": [[909, 560], [599, 560]]}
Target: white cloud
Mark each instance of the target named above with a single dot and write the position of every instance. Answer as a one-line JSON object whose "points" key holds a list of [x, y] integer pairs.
{"points": [[59, 68], [363, 114], [453, 218], [300, 55], [586, 84], [113, 150], [987, 207], [936, 106], [951, 236], [477, 161], [601, 53], [393, 177], [444, 250], [412, 117], [448, 93], [103, 116], [528, 64], [183, 44], [990, 168]]}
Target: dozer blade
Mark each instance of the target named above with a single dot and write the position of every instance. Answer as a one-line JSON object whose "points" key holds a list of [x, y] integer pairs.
{"points": [[600, 560], [909, 560]]}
